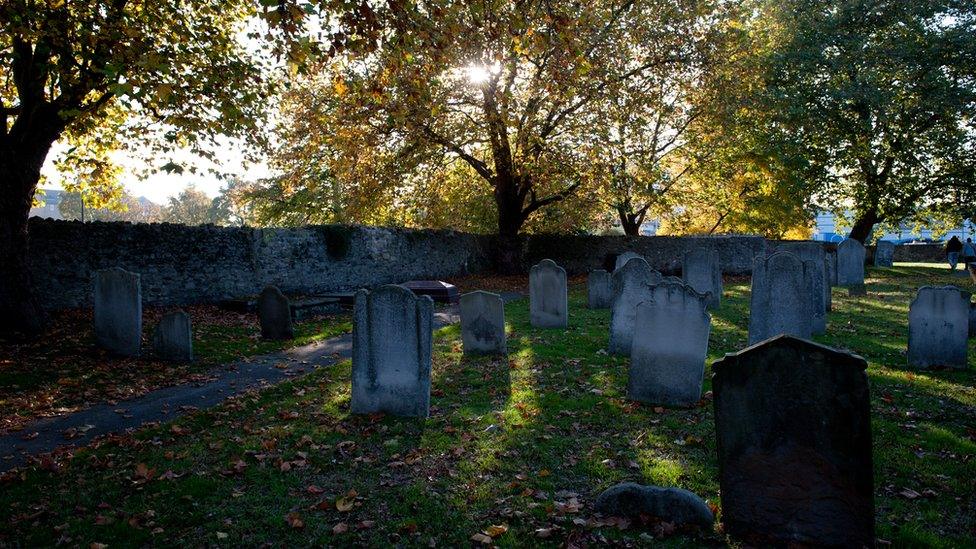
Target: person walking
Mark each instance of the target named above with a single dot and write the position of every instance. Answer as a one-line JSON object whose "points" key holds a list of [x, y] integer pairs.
{"points": [[953, 247]]}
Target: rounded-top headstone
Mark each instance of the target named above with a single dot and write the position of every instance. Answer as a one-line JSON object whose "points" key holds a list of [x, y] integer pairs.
{"points": [[850, 263], [623, 258], [483, 323], [780, 300], [884, 253], [274, 311], [701, 269], [631, 284], [548, 295]]}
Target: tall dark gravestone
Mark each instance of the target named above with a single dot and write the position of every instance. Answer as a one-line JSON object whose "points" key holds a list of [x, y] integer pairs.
{"points": [[793, 430]]}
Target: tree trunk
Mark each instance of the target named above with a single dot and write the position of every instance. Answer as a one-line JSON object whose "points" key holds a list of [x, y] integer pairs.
{"points": [[864, 226], [629, 222], [22, 154], [508, 258]]}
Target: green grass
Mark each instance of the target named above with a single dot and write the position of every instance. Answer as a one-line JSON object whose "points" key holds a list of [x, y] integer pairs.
{"points": [[508, 443]]}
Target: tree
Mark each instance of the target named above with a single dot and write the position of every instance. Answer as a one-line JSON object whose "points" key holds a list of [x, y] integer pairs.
{"points": [[511, 90], [122, 206], [97, 73], [192, 207], [878, 96]]}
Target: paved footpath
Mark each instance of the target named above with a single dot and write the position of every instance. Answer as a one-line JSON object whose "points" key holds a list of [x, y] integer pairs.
{"points": [[172, 402]]}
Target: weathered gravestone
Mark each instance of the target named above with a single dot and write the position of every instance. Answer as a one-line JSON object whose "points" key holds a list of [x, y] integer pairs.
{"points": [[599, 290], [631, 285], [391, 352], [831, 267], [623, 258], [884, 253], [118, 311], [938, 327], [780, 301], [850, 266], [793, 433], [483, 323], [702, 270], [173, 339], [667, 358], [548, 297], [274, 311], [811, 251]]}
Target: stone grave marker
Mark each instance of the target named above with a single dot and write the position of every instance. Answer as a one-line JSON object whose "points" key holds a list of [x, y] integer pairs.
{"points": [[814, 259], [599, 289], [483, 323], [667, 358], [631, 284], [173, 339], [391, 352], [548, 295], [780, 302], [623, 258], [118, 311], [884, 253], [850, 266], [938, 328], [793, 433], [274, 311], [702, 270]]}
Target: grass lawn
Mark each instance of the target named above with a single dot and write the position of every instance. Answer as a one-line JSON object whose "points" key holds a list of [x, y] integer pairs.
{"points": [[516, 449], [64, 371]]}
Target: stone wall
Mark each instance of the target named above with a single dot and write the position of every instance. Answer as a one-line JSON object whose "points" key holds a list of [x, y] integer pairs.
{"points": [[579, 254], [181, 265]]}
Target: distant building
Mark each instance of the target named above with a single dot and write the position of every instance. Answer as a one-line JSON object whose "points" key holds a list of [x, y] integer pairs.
{"points": [[51, 199], [826, 229]]}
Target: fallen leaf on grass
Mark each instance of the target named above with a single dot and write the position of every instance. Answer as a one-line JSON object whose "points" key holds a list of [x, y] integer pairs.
{"points": [[340, 528], [496, 530], [295, 521]]}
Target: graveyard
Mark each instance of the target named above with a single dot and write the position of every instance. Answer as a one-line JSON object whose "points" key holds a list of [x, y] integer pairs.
{"points": [[515, 449], [507, 273]]}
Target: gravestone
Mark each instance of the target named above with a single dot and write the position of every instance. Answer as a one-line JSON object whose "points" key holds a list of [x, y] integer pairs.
{"points": [[850, 266], [938, 328], [548, 297], [483, 323], [599, 290], [793, 434], [118, 311], [274, 311], [631, 284], [818, 283], [391, 352], [173, 340], [884, 253], [702, 270], [831, 267], [667, 357], [623, 258], [780, 301]]}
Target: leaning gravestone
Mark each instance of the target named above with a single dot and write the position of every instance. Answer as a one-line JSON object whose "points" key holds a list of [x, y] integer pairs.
{"points": [[623, 258], [118, 311], [483, 323], [631, 285], [392, 340], [780, 302], [667, 357], [850, 265], [173, 339], [274, 311], [793, 433], [548, 297], [884, 254], [702, 270], [938, 328], [599, 290]]}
